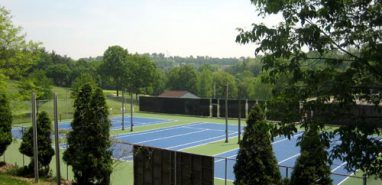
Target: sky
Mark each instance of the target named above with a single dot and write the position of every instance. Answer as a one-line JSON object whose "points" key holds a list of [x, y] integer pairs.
{"points": [[84, 28]]}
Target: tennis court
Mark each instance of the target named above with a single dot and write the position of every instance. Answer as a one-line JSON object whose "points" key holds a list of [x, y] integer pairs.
{"points": [[286, 153], [197, 134], [116, 123]]}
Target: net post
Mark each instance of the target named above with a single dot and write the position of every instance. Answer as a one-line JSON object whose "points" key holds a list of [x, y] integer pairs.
{"points": [[58, 166], [35, 147]]}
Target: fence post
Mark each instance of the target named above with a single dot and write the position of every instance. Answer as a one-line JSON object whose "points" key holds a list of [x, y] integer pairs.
{"points": [[364, 179], [246, 108], [175, 167], [22, 133], [131, 112], [35, 148], [210, 108], [287, 172], [57, 147], [225, 171], [123, 110], [266, 110], [239, 122], [226, 114], [218, 109]]}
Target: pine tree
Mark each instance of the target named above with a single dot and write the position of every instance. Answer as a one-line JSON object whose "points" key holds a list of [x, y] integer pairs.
{"points": [[5, 124], [44, 143], [256, 163], [88, 143], [312, 167]]}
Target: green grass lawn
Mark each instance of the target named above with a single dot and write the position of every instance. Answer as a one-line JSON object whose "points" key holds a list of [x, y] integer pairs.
{"points": [[10, 180]]}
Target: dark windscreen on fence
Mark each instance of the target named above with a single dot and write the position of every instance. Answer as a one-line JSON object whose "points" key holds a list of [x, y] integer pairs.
{"points": [[197, 107], [165, 167]]}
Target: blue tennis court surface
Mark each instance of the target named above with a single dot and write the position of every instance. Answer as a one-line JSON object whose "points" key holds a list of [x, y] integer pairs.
{"points": [[286, 153], [180, 137], [116, 123], [196, 134]]}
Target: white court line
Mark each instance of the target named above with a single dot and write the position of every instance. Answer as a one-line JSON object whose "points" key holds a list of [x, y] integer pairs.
{"points": [[209, 129], [278, 141], [209, 142], [140, 125], [224, 158], [226, 152], [199, 141], [155, 130], [223, 179], [289, 158], [339, 166], [189, 133], [345, 179], [272, 143]]}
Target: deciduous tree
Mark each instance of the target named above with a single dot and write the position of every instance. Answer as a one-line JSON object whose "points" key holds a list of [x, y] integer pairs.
{"points": [[114, 65], [344, 38]]}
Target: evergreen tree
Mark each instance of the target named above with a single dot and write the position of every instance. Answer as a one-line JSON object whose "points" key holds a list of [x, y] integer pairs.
{"points": [[312, 166], [44, 143], [256, 163], [88, 142], [5, 124]]}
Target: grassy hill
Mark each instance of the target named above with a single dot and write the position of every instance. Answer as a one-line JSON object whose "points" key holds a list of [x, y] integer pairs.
{"points": [[21, 109]]}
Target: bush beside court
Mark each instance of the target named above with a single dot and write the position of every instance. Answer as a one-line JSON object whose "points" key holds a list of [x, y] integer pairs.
{"points": [[89, 142]]}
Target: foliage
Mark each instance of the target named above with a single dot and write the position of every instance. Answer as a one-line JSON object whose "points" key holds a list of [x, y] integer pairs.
{"points": [[16, 54], [221, 79], [38, 83], [183, 78], [312, 167], [140, 74], [5, 124], [342, 66], [114, 66], [88, 143], [79, 82], [60, 73], [159, 84], [168, 62], [205, 82], [256, 163], [44, 143]]}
